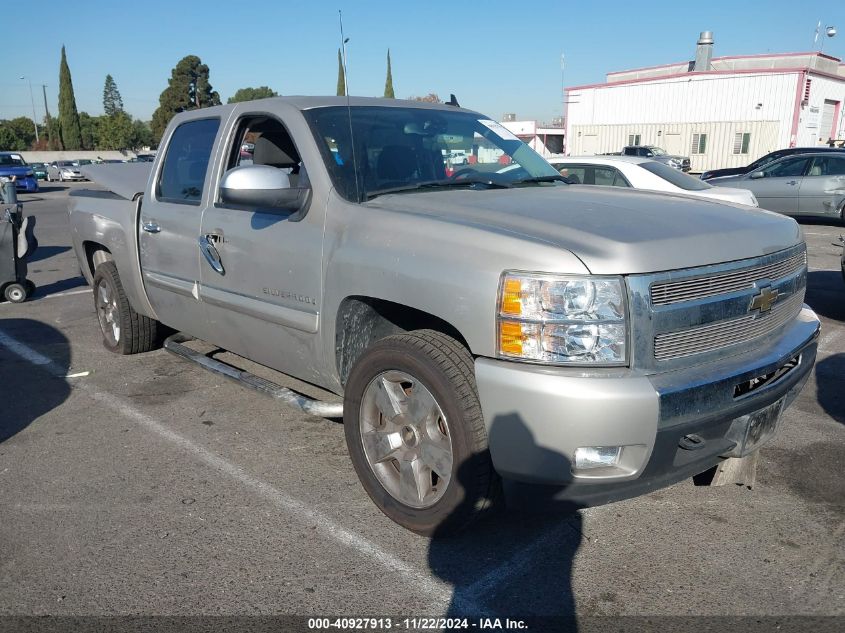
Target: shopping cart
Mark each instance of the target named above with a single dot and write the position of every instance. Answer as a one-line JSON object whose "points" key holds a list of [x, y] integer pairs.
{"points": [[17, 243]]}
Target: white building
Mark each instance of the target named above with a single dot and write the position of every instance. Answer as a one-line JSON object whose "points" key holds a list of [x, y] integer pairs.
{"points": [[544, 139], [721, 112]]}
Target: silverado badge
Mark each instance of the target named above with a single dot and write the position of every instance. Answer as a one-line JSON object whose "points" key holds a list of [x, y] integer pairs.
{"points": [[763, 301]]}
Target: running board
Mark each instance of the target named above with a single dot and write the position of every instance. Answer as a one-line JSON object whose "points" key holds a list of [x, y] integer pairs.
{"points": [[319, 408]]}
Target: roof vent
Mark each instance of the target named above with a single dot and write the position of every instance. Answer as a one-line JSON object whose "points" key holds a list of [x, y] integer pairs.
{"points": [[703, 52]]}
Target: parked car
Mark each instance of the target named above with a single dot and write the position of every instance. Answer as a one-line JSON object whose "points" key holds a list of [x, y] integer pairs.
{"points": [[63, 170], [142, 158], [659, 154], [806, 184], [40, 170], [572, 340], [765, 160], [13, 164], [642, 173]]}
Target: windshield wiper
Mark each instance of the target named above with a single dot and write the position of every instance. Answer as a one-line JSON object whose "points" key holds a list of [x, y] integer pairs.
{"points": [[437, 184], [536, 179]]}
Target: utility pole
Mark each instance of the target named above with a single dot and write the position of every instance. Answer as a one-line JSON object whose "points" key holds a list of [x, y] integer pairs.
{"points": [[46, 109], [32, 101]]}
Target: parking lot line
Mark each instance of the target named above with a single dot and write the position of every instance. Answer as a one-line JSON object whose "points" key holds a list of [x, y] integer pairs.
{"points": [[66, 294], [442, 592]]}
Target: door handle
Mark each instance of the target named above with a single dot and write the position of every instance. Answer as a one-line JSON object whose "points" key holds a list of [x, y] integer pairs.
{"points": [[211, 255], [151, 227], [791, 182], [215, 236]]}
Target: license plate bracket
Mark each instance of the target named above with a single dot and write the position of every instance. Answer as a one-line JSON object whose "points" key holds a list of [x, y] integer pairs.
{"points": [[749, 432]]}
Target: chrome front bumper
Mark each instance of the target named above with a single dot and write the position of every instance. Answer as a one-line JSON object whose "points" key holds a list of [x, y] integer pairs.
{"points": [[536, 417]]}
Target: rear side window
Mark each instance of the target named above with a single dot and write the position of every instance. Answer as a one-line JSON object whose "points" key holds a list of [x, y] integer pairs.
{"points": [[828, 166], [182, 176]]}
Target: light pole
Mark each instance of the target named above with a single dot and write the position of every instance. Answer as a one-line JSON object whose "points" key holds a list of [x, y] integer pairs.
{"points": [[32, 101]]}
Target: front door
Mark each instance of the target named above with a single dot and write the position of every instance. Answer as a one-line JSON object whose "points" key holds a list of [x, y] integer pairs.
{"points": [[170, 225], [778, 189], [823, 188], [263, 299]]}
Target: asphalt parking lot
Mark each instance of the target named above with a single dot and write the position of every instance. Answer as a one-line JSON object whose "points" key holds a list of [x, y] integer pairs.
{"points": [[144, 485]]}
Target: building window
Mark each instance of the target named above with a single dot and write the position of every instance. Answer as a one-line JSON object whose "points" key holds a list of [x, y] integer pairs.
{"points": [[741, 142], [633, 139], [699, 144]]}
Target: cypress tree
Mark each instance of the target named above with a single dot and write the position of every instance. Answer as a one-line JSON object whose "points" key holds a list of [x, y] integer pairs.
{"points": [[188, 89], [388, 83], [112, 101], [70, 134], [341, 79]]}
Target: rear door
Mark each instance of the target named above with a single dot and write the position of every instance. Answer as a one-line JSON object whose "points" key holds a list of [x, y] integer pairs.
{"points": [[265, 303], [823, 188], [778, 189], [170, 226]]}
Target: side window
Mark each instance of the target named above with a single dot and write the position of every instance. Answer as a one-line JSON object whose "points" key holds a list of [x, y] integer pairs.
{"points": [[619, 180], [575, 174], [828, 166], [787, 168], [605, 176], [264, 140], [182, 175]]}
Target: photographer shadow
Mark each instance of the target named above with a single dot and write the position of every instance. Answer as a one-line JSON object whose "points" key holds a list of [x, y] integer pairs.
{"points": [[518, 565], [29, 386]]}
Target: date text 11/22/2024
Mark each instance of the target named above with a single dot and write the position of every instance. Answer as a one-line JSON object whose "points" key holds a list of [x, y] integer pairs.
{"points": [[415, 624]]}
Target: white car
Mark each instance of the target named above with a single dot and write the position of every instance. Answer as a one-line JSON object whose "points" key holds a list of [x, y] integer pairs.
{"points": [[642, 173]]}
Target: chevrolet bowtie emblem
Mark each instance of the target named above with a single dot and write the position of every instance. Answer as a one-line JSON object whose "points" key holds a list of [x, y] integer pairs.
{"points": [[763, 301]]}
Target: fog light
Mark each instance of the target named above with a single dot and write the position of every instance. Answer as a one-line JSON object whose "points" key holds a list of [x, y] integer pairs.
{"points": [[597, 456]]}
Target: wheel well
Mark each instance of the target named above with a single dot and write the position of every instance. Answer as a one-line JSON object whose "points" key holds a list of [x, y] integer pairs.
{"points": [[95, 254], [361, 321]]}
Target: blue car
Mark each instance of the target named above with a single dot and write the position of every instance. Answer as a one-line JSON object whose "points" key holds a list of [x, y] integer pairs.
{"points": [[12, 164]]}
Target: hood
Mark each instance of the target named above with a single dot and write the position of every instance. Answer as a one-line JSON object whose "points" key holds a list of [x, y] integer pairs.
{"points": [[612, 231], [15, 170]]}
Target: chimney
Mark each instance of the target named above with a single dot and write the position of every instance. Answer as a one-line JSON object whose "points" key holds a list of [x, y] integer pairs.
{"points": [[703, 52]]}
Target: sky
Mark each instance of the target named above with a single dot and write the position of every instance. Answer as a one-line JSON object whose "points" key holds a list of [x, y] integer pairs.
{"points": [[496, 56]]}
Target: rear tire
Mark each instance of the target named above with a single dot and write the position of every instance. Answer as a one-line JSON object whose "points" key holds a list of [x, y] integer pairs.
{"points": [[416, 435], [124, 330], [15, 293]]}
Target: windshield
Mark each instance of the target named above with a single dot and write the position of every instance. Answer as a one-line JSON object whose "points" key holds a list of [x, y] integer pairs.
{"points": [[657, 151], [411, 148], [677, 178], [12, 160]]}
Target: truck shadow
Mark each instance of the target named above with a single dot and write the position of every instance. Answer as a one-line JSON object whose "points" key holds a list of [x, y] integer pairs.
{"points": [[829, 375], [28, 389], [517, 564], [826, 293]]}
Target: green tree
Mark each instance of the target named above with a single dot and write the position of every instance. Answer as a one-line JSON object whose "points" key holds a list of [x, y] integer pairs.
{"points": [[89, 130], [17, 135], [142, 135], [112, 101], [115, 131], [429, 98], [341, 77], [250, 94], [388, 83], [70, 134], [188, 89]]}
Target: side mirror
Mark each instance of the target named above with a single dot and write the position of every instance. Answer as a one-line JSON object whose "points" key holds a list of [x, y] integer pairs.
{"points": [[757, 174], [649, 154], [261, 186]]}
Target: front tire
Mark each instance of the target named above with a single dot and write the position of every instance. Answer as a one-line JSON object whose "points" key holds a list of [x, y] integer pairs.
{"points": [[124, 330], [416, 435]]}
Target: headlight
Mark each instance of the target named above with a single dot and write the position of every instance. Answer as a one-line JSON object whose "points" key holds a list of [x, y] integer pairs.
{"points": [[674, 162], [28, 173], [563, 320]]}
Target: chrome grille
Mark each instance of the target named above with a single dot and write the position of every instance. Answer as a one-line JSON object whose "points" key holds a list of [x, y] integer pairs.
{"points": [[722, 334], [669, 292]]}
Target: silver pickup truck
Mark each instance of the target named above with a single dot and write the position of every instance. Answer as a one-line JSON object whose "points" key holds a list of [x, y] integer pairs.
{"points": [[489, 327]]}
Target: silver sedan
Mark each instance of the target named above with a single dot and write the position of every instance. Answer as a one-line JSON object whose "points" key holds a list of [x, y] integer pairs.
{"points": [[805, 184], [63, 170]]}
